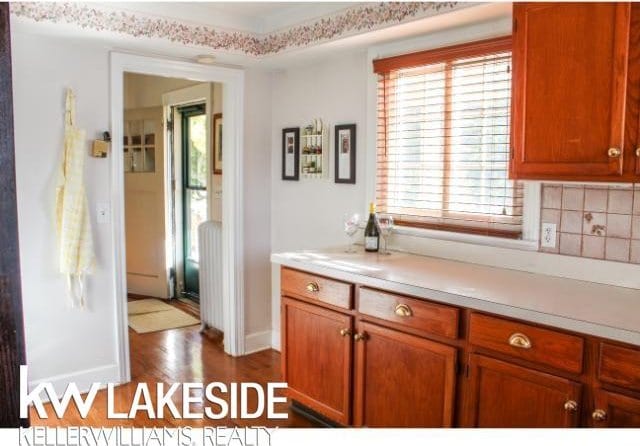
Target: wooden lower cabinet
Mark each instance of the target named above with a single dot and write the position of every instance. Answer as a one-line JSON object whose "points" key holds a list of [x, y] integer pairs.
{"points": [[506, 395], [317, 358], [615, 410], [402, 380], [365, 357]]}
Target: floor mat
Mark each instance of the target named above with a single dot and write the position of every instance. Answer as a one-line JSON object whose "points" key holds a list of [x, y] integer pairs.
{"points": [[149, 315]]}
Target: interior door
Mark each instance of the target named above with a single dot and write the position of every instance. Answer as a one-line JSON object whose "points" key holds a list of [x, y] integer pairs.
{"points": [[194, 192], [11, 332], [145, 202]]}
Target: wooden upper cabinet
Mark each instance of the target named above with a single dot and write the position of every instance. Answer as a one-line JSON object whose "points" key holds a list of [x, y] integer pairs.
{"points": [[507, 395], [569, 100], [402, 380]]}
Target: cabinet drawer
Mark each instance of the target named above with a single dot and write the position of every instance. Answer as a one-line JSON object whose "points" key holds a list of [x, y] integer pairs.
{"points": [[426, 316], [620, 366], [539, 345], [333, 292]]}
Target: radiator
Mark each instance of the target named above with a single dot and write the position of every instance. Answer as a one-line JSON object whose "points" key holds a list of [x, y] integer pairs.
{"points": [[210, 244]]}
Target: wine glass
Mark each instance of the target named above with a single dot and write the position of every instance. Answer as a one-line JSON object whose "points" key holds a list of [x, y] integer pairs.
{"points": [[351, 225], [385, 226]]}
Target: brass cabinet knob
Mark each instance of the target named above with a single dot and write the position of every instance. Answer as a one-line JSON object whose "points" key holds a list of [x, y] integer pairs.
{"points": [[571, 406], [599, 415], [313, 287], [345, 332], [638, 152], [519, 340], [359, 337], [403, 310], [614, 152]]}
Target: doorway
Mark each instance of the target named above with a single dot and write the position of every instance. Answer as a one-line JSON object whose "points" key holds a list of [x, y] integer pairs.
{"points": [[194, 193], [232, 81]]}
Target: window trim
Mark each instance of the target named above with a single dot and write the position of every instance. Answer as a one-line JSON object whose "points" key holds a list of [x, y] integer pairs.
{"points": [[531, 202], [443, 55], [446, 55]]}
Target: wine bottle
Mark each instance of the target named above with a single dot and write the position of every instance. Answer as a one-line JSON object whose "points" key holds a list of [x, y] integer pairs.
{"points": [[371, 233]]}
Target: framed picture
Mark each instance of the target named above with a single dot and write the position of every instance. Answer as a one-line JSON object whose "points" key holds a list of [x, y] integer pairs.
{"points": [[291, 153], [217, 144], [345, 153]]}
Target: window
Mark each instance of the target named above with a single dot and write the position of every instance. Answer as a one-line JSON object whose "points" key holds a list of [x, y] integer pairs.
{"points": [[443, 140]]}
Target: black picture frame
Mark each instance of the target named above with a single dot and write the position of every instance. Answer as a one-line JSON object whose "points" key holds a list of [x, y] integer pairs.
{"points": [[345, 151], [291, 142]]}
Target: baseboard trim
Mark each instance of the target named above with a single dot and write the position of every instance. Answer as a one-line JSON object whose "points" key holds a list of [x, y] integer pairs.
{"points": [[275, 340], [83, 379], [256, 342]]}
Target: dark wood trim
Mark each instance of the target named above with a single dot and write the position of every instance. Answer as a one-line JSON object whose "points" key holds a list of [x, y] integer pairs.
{"points": [[437, 55], [352, 153], [462, 229], [12, 348]]}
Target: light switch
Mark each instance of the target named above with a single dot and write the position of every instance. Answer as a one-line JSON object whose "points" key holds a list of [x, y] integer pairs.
{"points": [[548, 235], [102, 213]]}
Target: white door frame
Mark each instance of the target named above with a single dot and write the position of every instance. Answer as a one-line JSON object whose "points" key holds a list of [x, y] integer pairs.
{"points": [[232, 192]]}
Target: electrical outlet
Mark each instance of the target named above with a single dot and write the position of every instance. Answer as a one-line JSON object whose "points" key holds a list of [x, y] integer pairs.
{"points": [[548, 235]]}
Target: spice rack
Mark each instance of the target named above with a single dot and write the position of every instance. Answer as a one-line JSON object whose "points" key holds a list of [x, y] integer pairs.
{"points": [[314, 151]]}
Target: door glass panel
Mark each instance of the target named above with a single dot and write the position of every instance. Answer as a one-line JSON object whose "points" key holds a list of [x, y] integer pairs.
{"points": [[197, 151], [196, 205]]}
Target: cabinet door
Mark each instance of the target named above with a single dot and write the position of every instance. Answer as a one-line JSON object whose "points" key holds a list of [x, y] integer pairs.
{"points": [[615, 410], [569, 86], [506, 395], [402, 380], [316, 358]]}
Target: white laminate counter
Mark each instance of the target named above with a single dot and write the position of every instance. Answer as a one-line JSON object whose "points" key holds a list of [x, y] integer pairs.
{"points": [[601, 310]]}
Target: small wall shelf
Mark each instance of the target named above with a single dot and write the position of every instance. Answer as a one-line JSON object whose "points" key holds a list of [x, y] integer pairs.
{"points": [[314, 155]]}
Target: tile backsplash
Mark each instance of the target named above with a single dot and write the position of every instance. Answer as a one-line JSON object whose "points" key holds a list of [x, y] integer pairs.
{"points": [[599, 222]]}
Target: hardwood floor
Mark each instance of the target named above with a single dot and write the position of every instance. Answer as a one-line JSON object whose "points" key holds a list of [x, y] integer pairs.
{"points": [[177, 356]]}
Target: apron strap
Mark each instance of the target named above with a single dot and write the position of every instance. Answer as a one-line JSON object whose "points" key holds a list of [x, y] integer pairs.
{"points": [[70, 109]]}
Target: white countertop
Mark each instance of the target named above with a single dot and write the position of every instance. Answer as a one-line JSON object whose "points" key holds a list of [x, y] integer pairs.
{"points": [[601, 310]]}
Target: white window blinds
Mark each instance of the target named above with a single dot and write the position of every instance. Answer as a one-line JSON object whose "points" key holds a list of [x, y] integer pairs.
{"points": [[443, 142]]}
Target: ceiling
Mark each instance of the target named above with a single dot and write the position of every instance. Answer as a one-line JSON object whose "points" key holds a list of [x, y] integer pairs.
{"points": [[255, 17]]}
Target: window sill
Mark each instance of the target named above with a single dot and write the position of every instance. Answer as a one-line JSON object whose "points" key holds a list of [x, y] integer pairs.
{"points": [[524, 245]]}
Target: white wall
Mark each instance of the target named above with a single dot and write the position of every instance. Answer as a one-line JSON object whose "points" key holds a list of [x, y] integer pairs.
{"points": [[308, 213], [61, 341], [257, 201], [65, 344]]}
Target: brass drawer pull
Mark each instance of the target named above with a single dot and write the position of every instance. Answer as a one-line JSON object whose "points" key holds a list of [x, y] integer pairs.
{"points": [[313, 287], [638, 152], [614, 152], [403, 310], [360, 337], [345, 332], [599, 415], [520, 340], [571, 406]]}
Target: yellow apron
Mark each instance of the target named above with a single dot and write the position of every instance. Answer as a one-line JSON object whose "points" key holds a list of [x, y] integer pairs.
{"points": [[75, 244]]}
